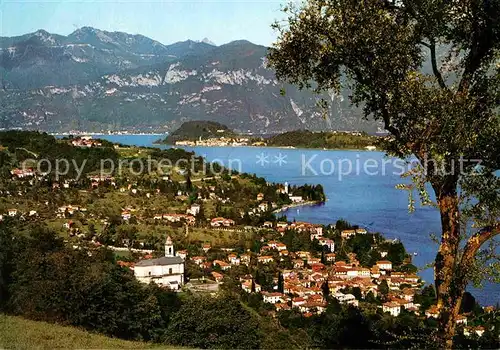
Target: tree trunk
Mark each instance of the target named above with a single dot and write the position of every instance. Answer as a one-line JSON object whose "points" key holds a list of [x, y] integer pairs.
{"points": [[449, 292]]}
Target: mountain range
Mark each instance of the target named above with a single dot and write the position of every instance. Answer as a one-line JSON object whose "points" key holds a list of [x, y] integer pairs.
{"points": [[95, 80]]}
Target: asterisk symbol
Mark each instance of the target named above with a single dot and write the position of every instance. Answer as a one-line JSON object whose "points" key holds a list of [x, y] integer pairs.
{"points": [[280, 159], [262, 159]]}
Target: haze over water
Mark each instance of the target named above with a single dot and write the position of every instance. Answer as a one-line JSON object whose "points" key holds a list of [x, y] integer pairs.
{"points": [[370, 201]]}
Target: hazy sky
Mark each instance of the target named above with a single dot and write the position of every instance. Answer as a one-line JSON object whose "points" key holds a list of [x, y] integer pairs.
{"points": [[167, 21]]}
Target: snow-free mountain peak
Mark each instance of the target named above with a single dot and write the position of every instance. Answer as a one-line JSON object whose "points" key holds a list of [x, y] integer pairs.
{"points": [[208, 41], [96, 80]]}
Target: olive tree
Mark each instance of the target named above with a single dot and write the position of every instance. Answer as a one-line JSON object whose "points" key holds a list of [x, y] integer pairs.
{"points": [[429, 71]]}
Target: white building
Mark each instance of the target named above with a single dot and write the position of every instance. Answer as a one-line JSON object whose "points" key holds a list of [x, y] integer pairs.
{"points": [[296, 199], [272, 298], [348, 233], [167, 271], [194, 210], [329, 243], [384, 265], [391, 307], [346, 298]]}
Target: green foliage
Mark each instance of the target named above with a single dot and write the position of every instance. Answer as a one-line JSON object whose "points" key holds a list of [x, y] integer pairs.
{"points": [[309, 192], [45, 275], [300, 241], [25, 145], [194, 130], [383, 288], [332, 140], [207, 322], [396, 253], [341, 329], [281, 282], [426, 297], [342, 225], [409, 268]]}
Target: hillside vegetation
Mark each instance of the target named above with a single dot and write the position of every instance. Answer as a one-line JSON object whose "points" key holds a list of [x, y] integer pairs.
{"points": [[194, 130], [309, 139], [19, 333]]}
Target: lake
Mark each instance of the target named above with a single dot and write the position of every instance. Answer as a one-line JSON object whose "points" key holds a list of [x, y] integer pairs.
{"points": [[359, 185]]}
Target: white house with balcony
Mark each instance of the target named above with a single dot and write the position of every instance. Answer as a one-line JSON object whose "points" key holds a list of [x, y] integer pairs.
{"points": [[167, 271]]}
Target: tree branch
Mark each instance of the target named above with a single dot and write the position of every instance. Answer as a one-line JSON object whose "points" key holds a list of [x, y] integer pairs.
{"points": [[435, 69], [425, 44], [387, 121], [475, 242], [481, 43]]}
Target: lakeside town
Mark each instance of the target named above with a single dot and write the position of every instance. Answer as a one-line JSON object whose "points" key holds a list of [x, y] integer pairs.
{"points": [[219, 233], [250, 175], [212, 134]]}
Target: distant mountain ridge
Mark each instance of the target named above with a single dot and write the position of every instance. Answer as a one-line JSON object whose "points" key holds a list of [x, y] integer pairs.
{"points": [[39, 59], [95, 80]]}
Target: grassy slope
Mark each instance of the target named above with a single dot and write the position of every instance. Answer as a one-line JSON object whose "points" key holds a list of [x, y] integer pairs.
{"points": [[19, 333]]}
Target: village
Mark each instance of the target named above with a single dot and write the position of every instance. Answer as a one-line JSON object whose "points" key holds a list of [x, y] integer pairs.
{"points": [[303, 281], [209, 234], [216, 142], [221, 142]]}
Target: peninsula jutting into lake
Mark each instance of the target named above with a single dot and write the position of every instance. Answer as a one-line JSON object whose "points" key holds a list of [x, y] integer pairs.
{"points": [[212, 134]]}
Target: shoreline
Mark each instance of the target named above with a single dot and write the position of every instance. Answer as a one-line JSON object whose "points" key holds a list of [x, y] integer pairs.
{"points": [[296, 205], [104, 134], [277, 147], [160, 143]]}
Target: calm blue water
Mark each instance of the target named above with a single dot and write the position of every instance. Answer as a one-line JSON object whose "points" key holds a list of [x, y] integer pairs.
{"points": [[363, 196]]}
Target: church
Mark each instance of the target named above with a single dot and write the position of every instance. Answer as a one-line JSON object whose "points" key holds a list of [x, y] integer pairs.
{"points": [[167, 271]]}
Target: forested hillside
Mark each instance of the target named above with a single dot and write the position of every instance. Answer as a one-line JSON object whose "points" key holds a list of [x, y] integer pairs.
{"points": [[199, 129], [310, 139]]}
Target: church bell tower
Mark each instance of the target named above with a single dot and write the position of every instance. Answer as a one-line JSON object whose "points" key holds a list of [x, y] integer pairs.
{"points": [[169, 247]]}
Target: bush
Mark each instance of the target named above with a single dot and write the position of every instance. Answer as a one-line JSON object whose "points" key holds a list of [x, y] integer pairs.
{"points": [[206, 322]]}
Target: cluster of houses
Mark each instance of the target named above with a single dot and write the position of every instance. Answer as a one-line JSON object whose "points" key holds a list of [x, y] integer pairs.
{"points": [[23, 173], [187, 218], [85, 141], [96, 180], [221, 222], [13, 212], [303, 285], [433, 312], [215, 142], [315, 230], [265, 205], [69, 209], [351, 233]]}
